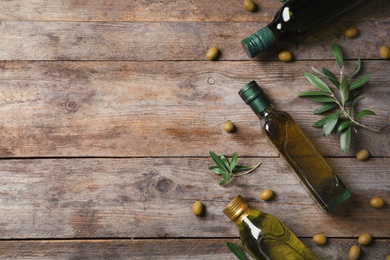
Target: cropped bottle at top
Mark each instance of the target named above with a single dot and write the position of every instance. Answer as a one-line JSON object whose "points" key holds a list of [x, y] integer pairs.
{"points": [[295, 20], [309, 165]]}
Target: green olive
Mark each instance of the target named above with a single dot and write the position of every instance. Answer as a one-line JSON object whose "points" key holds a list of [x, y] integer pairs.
{"points": [[365, 239], [198, 208], [377, 202], [229, 127], [212, 53], [388, 257], [362, 155], [319, 239], [250, 6], [351, 32], [285, 56], [266, 194], [384, 52], [354, 252]]}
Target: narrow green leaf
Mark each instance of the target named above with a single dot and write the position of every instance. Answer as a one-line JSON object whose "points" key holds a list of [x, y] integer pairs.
{"points": [[313, 93], [344, 90], [366, 113], [223, 182], [216, 170], [338, 54], [321, 99], [324, 108], [233, 162], [357, 68], [360, 82], [345, 140], [355, 101], [236, 251], [321, 122], [332, 78], [225, 162], [330, 124], [226, 176], [317, 82], [217, 160], [343, 125]]}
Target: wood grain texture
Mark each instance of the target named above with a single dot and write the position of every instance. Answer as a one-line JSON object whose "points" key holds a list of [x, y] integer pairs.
{"points": [[164, 109], [336, 249], [152, 198], [58, 40], [109, 109], [166, 10]]}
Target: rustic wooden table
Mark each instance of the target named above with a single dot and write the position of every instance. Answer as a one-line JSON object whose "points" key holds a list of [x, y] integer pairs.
{"points": [[109, 110]]}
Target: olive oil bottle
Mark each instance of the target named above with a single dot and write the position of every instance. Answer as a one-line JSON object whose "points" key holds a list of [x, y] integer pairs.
{"points": [[295, 20], [263, 235], [309, 165]]}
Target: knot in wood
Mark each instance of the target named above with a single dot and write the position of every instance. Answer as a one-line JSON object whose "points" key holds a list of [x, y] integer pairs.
{"points": [[71, 105], [164, 185]]}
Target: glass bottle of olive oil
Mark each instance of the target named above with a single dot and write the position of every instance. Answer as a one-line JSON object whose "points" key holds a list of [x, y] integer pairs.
{"points": [[263, 235], [295, 20], [312, 169]]}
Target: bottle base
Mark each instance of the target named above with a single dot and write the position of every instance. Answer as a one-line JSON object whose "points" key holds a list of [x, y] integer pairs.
{"points": [[333, 205]]}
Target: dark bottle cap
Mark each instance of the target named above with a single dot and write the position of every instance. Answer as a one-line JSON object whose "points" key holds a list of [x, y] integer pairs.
{"points": [[253, 96], [258, 42]]}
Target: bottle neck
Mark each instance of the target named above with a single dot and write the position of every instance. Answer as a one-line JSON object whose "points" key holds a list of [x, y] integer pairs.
{"points": [[243, 215], [266, 112]]}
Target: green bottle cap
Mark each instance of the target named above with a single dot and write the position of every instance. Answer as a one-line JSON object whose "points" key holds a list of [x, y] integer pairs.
{"points": [[258, 42], [253, 96]]}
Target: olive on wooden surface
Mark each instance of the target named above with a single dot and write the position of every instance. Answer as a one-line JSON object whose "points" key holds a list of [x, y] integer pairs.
{"points": [[377, 202], [229, 127], [266, 194], [285, 56], [362, 155], [354, 252], [250, 6], [365, 239], [351, 32], [388, 257], [198, 208], [319, 239], [384, 52], [212, 53]]}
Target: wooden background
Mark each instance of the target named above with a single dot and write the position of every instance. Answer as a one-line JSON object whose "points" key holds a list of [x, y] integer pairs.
{"points": [[109, 109]]}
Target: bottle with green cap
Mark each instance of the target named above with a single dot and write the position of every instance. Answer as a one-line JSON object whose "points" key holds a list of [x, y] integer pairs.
{"points": [[263, 235], [296, 20], [299, 152]]}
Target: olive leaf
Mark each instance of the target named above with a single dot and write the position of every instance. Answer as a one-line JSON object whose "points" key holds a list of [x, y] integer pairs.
{"points": [[338, 54], [343, 120], [229, 169], [236, 251], [345, 140]]}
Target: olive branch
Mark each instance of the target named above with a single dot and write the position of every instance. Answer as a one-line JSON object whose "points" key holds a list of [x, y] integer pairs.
{"points": [[343, 120], [229, 169]]}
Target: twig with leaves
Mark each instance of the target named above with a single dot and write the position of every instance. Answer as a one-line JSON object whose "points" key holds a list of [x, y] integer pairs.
{"points": [[229, 169], [344, 119]]}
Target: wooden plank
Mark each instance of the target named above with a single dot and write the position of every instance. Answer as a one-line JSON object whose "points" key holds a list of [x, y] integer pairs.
{"points": [[152, 198], [154, 10], [57, 40], [337, 249], [68, 109]]}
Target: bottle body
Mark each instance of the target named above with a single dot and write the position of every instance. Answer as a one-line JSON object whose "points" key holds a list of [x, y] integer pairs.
{"points": [[299, 152], [295, 20], [265, 237], [309, 165]]}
